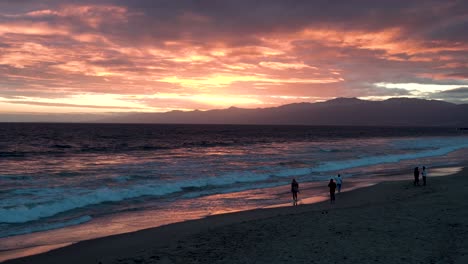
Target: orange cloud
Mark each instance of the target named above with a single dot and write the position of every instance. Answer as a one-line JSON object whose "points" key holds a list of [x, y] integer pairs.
{"points": [[29, 28], [285, 66]]}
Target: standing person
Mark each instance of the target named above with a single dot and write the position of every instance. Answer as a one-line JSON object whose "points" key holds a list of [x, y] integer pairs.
{"points": [[294, 190], [332, 186], [339, 181], [416, 176], [424, 174]]}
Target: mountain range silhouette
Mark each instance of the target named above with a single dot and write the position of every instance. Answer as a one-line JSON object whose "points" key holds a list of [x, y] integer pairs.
{"points": [[339, 111]]}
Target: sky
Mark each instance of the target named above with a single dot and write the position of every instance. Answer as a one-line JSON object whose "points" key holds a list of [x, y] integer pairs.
{"points": [[116, 56]]}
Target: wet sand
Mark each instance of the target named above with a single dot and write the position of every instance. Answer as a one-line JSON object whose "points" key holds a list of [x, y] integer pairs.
{"points": [[391, 222]]}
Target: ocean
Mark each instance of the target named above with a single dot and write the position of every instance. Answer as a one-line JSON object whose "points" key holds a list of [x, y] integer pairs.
{"points": [[63, 183]]}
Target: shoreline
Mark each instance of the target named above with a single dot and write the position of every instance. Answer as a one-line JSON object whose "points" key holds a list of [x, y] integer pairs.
{"points": [[311, 193], [191, 238]]}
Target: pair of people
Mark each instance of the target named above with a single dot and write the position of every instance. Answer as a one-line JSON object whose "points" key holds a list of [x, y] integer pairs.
{"points": [[416, 175], [332, 185]]}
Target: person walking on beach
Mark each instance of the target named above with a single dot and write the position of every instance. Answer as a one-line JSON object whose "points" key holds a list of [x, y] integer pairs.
{"points": [[332, 186], [416, 176], [294, 190], [339, 182], [424, 175]]}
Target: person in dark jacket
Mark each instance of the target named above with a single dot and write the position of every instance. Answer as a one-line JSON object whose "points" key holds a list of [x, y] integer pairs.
{"points": [[416, 176], [332, 186], [294, 190]]}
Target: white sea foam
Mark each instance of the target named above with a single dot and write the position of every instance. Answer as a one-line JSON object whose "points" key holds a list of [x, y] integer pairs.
{"points": [[47, 202], [374, 160], [69, 199]]}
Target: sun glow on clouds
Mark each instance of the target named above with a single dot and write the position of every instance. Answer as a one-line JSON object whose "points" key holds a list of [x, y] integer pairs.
{"points": [[225, 80], [118, 58], [211, 99], [86, 69], [123, 103], [81, 103], [40, 29], [285, 66]]}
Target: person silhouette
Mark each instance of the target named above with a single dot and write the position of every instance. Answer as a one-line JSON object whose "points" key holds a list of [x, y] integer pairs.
{"points": [[339, 182], [332, 186], [294, 190], [416, 176], [424, 175]]}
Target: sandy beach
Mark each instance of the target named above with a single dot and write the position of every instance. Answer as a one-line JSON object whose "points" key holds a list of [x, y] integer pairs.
{"points": [[391, 222]]}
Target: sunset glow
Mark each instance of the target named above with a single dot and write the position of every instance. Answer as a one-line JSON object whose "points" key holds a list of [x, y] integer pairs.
{"points": [[156, 56]]}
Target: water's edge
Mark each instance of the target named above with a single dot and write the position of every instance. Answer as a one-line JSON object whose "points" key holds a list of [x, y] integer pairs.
{"points": [[307, 188]]}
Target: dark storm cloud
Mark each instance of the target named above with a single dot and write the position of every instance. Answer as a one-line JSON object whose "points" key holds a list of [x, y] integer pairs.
{"points": [[201, 21], [270, 15], [457, 95], [165, 18], [456, 92]]}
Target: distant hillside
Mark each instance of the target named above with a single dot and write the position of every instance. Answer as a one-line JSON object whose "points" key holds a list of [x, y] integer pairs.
{"points": [[340, 111]]}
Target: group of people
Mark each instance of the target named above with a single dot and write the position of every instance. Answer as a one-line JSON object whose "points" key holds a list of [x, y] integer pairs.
{"points": [[423, 173], [333, 185]]}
